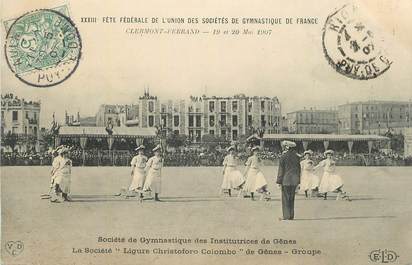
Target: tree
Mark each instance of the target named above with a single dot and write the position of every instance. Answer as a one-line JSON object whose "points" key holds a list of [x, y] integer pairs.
{"points": [[397, 142], [10, 140], [176, 140], [211, 141]]}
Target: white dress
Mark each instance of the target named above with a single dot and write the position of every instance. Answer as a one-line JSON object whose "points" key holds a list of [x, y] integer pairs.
{"points": [[54, 167], [153, 180], [232, 177], [308, 180], [138, 164], [62, 168], [330, 181], [255, 180]]}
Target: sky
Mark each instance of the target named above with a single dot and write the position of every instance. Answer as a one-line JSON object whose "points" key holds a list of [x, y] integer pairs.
{"points": [[290, 63]]}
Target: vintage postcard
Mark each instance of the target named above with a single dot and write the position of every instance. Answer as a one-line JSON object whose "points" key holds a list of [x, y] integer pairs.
{"points": [[206, 132]]}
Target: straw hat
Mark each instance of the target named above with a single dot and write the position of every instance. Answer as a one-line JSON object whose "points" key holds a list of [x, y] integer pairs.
{"points": [[56, 150], [289, 144], [230, 148], [328, 152], [140, 147], [158, 147], [62, 150], [255, 148], [310, 152]]}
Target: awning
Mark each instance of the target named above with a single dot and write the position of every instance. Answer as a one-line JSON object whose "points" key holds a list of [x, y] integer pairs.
{"points": [[324, 137], [126, 132]]}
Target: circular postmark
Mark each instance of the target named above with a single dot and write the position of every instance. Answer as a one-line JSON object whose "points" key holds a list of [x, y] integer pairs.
{"points": [[43, 48], [350, 46]]}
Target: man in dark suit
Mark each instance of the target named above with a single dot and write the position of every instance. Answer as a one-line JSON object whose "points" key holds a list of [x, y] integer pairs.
{"points": [[288, 178]]}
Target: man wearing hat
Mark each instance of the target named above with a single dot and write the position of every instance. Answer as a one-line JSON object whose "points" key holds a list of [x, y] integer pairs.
{"points": [[138, 165], [153, 168], [288, 178]]}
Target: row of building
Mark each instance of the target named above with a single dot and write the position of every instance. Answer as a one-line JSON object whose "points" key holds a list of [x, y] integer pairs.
{"points": [[19, 116], [230, 117], [364, 117], [241, 115]]}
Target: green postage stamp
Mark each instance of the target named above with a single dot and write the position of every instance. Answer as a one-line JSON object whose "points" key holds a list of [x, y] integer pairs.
{"points": [[43, 47]]}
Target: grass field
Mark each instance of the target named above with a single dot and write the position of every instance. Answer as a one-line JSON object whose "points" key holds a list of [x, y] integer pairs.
{"points": [[379, 217]]}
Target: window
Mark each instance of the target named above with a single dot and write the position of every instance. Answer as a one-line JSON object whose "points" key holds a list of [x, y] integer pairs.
{"points": [[211, 106], [15, 115], [222, 120], [211, 120], [234, 134], [27, 114], [223, 106], [198, 135], [198, 121], [212, 132], [262, 120], [151, 106], [25, 129], [249, 107], [249, 120], [2, 115], [164, 120], [262, 105], [176, 120], [191, 122], [223, 132], [234, 106], [234, 120], [151, 121], [176, 132], [35, 131], [163, 108], [191, 135]]}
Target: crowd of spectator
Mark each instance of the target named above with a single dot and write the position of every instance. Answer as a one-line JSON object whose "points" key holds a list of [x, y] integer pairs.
{"points": [[193, 158]]}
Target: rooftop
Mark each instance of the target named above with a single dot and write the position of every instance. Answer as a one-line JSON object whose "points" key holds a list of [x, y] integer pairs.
{"points": [[324, 137], [12, 100], [377, 102], [75, 131]]}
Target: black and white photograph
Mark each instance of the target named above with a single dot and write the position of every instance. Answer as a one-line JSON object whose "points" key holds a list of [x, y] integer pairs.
{"points": [[206, 132]]}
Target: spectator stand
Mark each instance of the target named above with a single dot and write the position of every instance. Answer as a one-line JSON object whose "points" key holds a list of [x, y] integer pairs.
{"points": [[102, 147]]}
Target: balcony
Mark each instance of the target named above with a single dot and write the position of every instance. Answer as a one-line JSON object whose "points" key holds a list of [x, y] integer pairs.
{"points": [[32, 121]]}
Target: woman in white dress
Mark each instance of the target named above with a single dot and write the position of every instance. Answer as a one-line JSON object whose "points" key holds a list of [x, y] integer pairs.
{"points": [[232, 177], [138, 165], [153, 168], [331, 182], [308, 181], [62, 167], [49, 195], [255, 180]]}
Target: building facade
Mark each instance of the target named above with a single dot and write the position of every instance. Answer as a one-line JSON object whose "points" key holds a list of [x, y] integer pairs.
{"points": [[374, 117], [21, 118], [229, 117], [313, 121]]}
